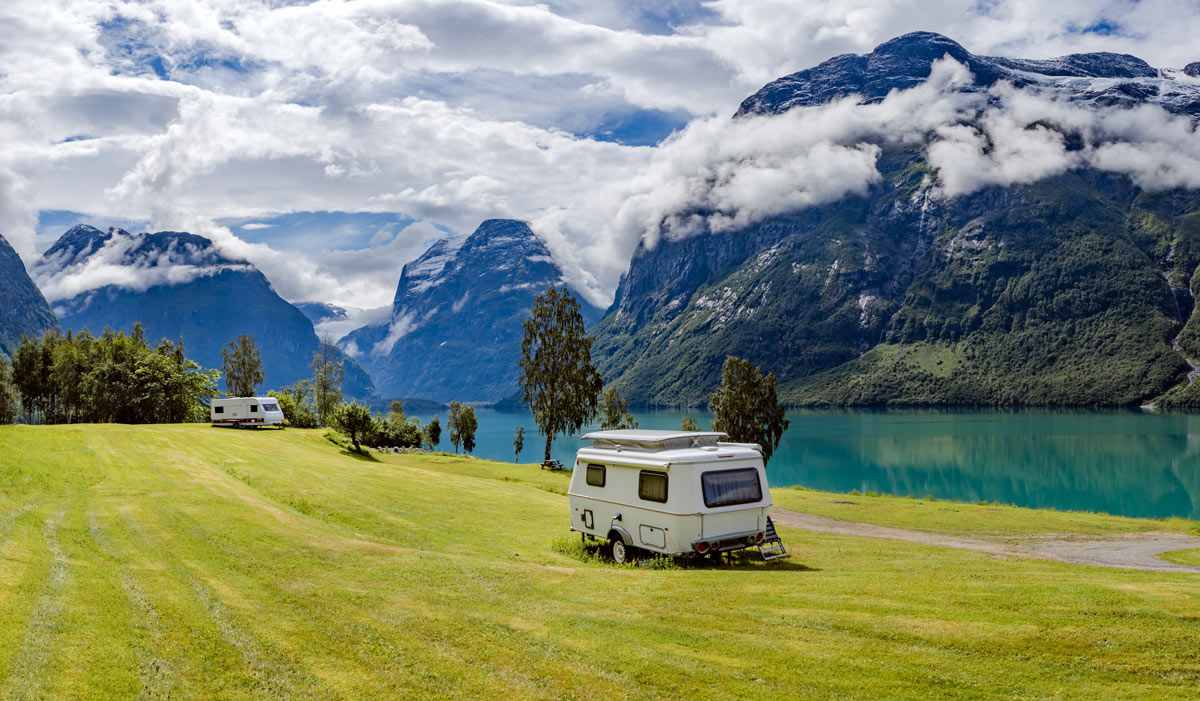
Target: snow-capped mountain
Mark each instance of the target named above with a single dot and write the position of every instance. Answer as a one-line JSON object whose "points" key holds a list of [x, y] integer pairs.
{"points": [[455, 329], [179, 285], [1097, 78]]}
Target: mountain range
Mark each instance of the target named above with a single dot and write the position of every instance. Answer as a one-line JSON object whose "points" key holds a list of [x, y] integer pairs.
{"points": [[179, 285], [456, 324], [1074, 289]]}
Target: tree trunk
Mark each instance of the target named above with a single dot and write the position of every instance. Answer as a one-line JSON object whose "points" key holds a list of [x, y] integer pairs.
{"points": [[547, 459]]}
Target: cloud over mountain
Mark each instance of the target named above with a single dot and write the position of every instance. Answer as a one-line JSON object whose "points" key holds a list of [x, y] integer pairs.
{"points": [[184, 113]]}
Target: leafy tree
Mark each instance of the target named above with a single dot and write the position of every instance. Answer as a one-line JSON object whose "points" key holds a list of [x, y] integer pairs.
{"points": [[687, 423], [27, 376], [296, 402], [462, 424], [329, 372], [615, 412], [243, 367], [396, 429], [467, 426], [356, 422], [518, 442], [559, 383], [8, 394], [117, 377], [433, 433], [746, 406]]}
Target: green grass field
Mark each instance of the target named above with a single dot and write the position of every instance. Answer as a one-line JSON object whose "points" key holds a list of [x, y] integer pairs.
{"points": [[187, 561]]}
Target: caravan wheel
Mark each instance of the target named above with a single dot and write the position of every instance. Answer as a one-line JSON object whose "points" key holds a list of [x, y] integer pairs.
{"points": [[622, 553]]}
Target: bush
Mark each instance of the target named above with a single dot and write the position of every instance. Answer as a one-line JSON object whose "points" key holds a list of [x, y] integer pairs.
{"points": [[296, 402], [355, 421]]}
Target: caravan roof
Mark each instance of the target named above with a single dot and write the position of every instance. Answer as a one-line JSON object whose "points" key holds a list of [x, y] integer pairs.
{"points": [[653, 441], [644, 447]]}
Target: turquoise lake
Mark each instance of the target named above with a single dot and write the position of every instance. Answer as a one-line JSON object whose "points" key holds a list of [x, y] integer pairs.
{"points": [[1119, 462]]}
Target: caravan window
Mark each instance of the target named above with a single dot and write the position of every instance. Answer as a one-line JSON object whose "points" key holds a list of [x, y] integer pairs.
{"points": [[652, 486], [595, 475], [731, 487], [271, 407], [253, 407], [218, 410]]}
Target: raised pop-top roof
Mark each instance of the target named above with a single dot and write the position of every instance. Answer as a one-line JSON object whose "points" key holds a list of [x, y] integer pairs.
{"points": [[653, 441]]}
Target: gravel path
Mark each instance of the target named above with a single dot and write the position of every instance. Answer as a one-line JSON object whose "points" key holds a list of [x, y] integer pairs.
{"points": [[1131, 551]]}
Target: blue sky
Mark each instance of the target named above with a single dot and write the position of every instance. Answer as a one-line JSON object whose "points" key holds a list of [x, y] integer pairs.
{"points": [[357, 132]]}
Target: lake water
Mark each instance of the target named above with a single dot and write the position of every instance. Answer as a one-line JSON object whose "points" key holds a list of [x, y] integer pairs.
{"points": [[1120, 462]]}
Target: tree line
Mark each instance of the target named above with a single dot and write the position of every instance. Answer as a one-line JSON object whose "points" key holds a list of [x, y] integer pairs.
{"points": [[114, 377]]}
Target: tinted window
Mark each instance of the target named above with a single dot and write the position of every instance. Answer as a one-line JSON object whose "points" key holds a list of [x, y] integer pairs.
{"points": [[218, 410], [253, 407], [730, 487], [270, 407], [595, 475], [652, 486]]}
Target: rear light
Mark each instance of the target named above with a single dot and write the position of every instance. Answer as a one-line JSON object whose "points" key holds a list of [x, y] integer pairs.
{"points": [[702, 547], [758, 538], [716, 546]]}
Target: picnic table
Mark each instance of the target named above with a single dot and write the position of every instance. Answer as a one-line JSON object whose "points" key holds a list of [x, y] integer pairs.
{"points": [[553, 465]]}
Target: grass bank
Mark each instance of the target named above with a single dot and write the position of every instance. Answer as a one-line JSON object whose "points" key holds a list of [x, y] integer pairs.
{"points": [[189, 561], [960, 518]]}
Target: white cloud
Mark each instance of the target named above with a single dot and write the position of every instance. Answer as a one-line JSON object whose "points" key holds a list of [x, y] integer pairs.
{"points": [[117, 264], [446, 112], [356, 319]]}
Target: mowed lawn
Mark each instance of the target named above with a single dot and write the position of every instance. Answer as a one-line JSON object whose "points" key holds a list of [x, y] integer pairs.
{"points": [[188, 561]]}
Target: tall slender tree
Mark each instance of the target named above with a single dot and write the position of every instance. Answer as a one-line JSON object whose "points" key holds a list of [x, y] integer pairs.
{"points": [[462, 425], [242, 367], [559, 383], [467, 426], [518, 442], [746, 406], [8, 394], [329, 372]]}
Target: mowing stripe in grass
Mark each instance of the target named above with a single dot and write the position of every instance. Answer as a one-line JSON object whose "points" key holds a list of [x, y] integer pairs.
{"points": [[155, 673], [267, 673], [27, 677]]}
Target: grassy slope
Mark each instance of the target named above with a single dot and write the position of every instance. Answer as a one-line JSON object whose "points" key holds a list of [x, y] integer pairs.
{"points": [[189, 561]]}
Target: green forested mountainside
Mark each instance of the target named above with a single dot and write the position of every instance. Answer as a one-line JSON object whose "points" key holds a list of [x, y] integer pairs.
{"points": [[1074, 290], [23, 309]]}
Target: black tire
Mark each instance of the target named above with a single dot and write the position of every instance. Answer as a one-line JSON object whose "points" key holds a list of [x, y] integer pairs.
{"points": [[622, 553]]}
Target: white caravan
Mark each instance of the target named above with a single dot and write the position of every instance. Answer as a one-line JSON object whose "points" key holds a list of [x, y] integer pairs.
{"points": [[246, 412], [672, 492]]}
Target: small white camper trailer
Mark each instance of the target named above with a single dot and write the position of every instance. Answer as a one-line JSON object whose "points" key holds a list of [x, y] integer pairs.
{"points": [[672, 492], [246, 412]]}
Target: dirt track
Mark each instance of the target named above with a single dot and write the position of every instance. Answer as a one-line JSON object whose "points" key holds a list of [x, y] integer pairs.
{"points": [[1131, 551]]}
